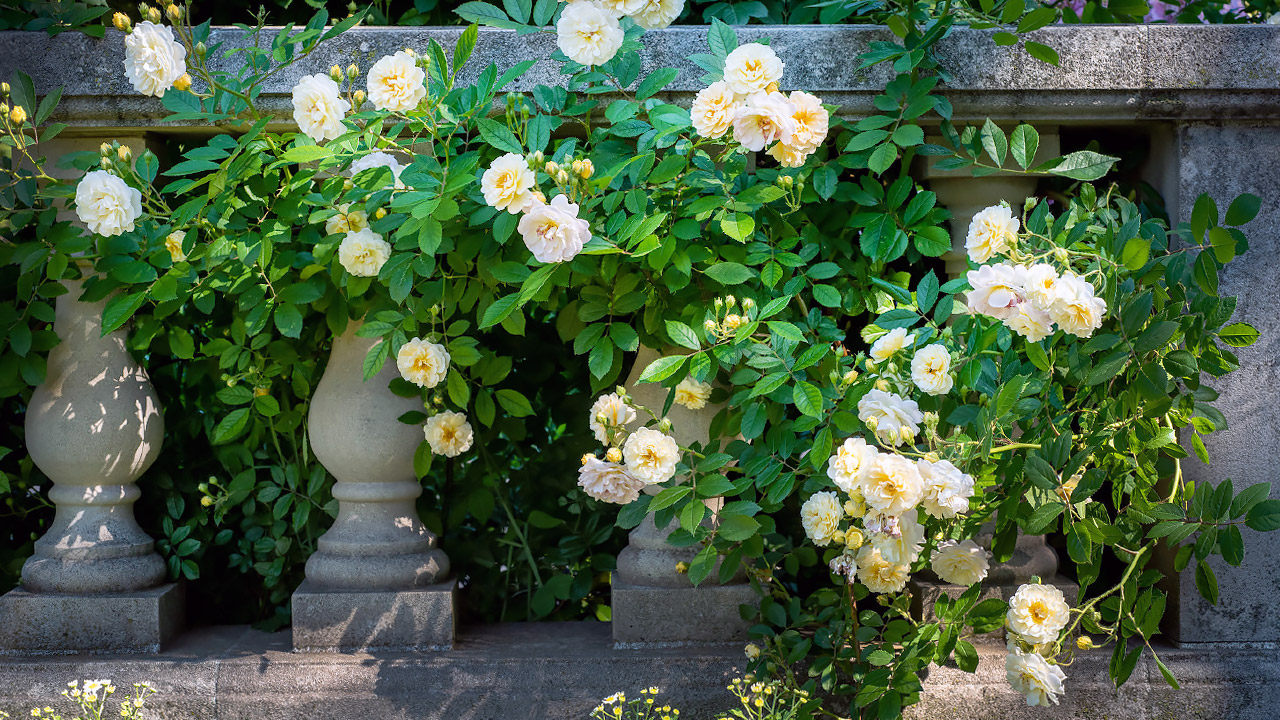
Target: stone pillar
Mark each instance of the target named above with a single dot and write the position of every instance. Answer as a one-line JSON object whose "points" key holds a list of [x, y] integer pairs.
{"points": [[965, 195], [1225, 161], [95, 582], [377, 579], [652, 602]]}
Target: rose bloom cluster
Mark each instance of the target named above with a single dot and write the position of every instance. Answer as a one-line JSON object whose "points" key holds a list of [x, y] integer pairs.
{"points": [[634, 459], [589, 32], [748, 103], [1033, 299], [426, 364], [1036, 617], [552, 231]]}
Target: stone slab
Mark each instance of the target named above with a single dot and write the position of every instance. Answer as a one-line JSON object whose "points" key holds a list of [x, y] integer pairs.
{"points": [[419, 619], [925, 594], [51, 624], [646, 615]]}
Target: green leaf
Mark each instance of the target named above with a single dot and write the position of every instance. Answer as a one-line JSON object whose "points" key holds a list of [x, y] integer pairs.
{"points": [[882, 157], [657, 80], [966, 656], [230, 426], [994, 141], [738, 226], [499, 136], [1024, 143], [668, 497], [181, 344], [737, 528], [466, 43], [1135, 253], [1084, 165], [663, 368], [682, 335], [1223, 244], [908, 136], [729, 273], [1238, 334], [1204, 214], [499, 310], [927, 292], [288, 320], [514, 402], [1232, 545], [808, 398], [721, 38], [1168, 676], [1042, 52], [1181, 363], [1265, 516], [485, 14], [134, 272], [120, 308], [1205, 272], [1243, 209], [1207, 582], [304, 154]]}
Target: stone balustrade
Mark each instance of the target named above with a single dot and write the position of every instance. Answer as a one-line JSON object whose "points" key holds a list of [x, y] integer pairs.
{"points": [[1203, 100]]}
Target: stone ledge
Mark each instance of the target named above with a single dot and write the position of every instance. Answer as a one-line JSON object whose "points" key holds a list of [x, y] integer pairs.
{"points": [[1108, 73], [561, 670], [48, 624]]}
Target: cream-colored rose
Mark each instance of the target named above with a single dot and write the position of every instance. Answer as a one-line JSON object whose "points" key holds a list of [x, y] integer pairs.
{"points": [[1037, 613], [820, 515], [396, 83], [1039, 282], [1030, 322], [879, 575], [1034, 677], [851, 464], [318, 108], [752, 68], [609, 412], [347, 220], [608, 481], [887, 345], [997, 290], [763, 119], [992, 232], [960, 563], [173, 243], [153, 59], [692, 394], [812, 121], [786, 155], [931, 369], [378, 159], [363, 253], [106, 204], [713, 110], [902, 547], [651, 456], [423, 363], [620, 7], [448, 433], [554, 232], [588, 33], [508, 184], [946, 489], [890, 414], [1075, 308], [657, 14], [893, 485]]}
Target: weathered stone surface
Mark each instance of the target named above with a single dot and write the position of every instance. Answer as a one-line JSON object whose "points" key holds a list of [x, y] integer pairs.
{"points": [[1224, 162], [47, 624], [1107, 73], [413, 619], [646, 614]]}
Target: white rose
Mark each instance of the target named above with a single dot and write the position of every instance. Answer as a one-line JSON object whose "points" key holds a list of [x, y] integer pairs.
{"points": [[362, 253], [962, 563], [396, 83], [692, 394], [993, 231], [763, 119], [423, 363], [811, 124], [588, 34], [651, 456], [820, 515], [1034, 677], [173, 243], [106, 204], [508, 184], [713, 110], [946, 489], [609, 412], [786, 155], [554, 232], [448, 433], [1075, 308], [1037, 613], [890, 343], [851, 464], [879, 575], [893, 485], [318, 108], [931, 369], [902, 547], [378, 159], [752, 68], [153, 59], [997, 289], [891, 414], [609, 482], [620, 7], [1030, 322], [657, 14], [1039, 282], [347, 220]]}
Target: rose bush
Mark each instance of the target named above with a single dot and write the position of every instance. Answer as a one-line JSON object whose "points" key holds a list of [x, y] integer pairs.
{"points": [[867, 416]]}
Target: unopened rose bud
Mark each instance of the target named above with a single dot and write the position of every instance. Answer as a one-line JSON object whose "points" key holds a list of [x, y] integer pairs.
{"points": [[153, 15], [838, 536], [18, 115], [664, 426], [1084, 642], [850, 377], [353, 71], [752, 651], [124, 153], [537, 194], [201, 49], [359, 97], [410, 52], [174, 13], [932, 457], [748, 303], [771, 87], [335, 74], [206, 501], [732, 322], [931, 419], [871, 365], [682, 567], [122, 22], [562, 177], [853, 539], [730, 301], [551, 167], [613, 455], [882, 385], [183, 83], [4, 89], [379, 214], [347, 184], [1061, 255], [536, 159], [105, 163], [905, 433], [891, 368], [588, 458], [719, 303], [588, 169], [710, 326], [872, 423]]}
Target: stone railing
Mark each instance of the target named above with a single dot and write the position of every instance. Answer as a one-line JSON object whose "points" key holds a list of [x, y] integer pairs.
{"points": [[1204, 102]]}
